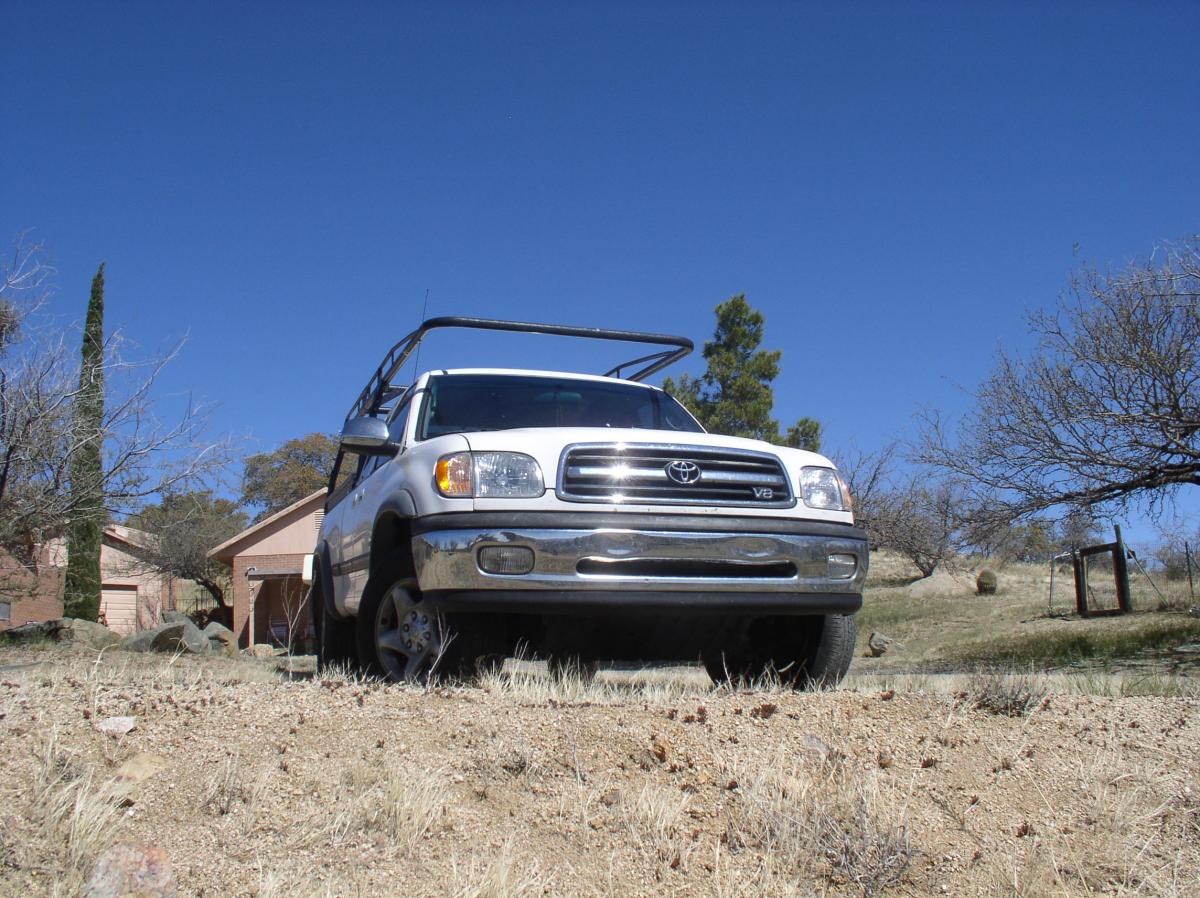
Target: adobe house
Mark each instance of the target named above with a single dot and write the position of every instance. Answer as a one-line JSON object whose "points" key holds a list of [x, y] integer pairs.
{"points": [[269, 559], [131, 596]]}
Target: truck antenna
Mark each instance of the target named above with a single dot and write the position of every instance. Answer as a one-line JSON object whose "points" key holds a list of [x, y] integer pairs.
{"points": [[417, 354]]}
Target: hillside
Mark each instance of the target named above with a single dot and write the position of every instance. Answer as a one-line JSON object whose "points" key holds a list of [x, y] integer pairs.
{"points": [[940, 623]]}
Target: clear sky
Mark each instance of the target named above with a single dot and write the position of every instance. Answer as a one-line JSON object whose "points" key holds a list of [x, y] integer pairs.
{"points": [[892, 184]]}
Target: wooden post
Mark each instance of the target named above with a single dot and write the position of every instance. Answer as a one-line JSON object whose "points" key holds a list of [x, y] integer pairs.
{"points": [[1121, 572], [1080, 566], [1187, 556]]}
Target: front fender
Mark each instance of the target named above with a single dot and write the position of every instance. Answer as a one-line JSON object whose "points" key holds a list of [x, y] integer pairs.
{"points": [[400, 503]]}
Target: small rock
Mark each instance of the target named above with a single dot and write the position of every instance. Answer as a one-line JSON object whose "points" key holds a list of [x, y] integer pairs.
{"points": [[132, 773], [260, 650], [1188, 648], [885, 758], [116, 726], [818, 747], [132, 871], [878, 644]]}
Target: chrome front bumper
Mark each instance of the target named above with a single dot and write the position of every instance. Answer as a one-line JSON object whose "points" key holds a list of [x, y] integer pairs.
{"points": [[783, 568]]}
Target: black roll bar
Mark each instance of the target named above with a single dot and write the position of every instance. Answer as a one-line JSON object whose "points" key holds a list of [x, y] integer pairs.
{"points": [[376, 392]]}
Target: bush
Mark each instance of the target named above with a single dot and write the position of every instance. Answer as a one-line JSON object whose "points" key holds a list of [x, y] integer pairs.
{"points": [[985, 583]]}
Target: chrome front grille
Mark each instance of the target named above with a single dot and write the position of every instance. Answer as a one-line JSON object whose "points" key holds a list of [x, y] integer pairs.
{"points": [[644, 473]]}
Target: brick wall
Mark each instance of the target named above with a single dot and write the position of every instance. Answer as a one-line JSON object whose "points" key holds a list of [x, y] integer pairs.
{"points": [[31, 595], [244, 591]]}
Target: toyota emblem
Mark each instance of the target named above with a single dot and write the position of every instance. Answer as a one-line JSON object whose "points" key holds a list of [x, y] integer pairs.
{"points": [[683, 472]]}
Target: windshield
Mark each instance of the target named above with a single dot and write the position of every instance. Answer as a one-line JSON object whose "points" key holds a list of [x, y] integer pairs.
{"points": [[471, 403]]}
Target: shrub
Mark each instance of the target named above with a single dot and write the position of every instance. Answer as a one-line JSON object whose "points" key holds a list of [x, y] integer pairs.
{"points": [[985, 583]]}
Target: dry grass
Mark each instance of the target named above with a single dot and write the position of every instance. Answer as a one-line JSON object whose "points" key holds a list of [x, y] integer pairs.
{"points": [[68, 816], [501, 876], [565, 785], [820, 815], [397, 806], [1015, 696]]}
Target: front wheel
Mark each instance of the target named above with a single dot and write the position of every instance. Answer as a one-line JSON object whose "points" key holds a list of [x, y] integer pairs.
{"points": [[801, 652], [398, 638]]}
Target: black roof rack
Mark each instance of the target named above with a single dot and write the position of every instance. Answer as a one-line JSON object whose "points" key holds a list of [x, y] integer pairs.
{"points": [[379, 388]]}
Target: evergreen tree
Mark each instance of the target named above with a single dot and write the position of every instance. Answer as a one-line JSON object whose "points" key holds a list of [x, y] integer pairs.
{"points": [[734, 395], [82, 593]]}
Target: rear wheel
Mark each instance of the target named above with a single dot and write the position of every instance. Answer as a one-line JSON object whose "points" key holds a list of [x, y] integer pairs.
{"points": [[802, 652]]}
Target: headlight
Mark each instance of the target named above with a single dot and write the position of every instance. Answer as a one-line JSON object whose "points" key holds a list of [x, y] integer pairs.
{"points": [[489, 475], [821, 488]]}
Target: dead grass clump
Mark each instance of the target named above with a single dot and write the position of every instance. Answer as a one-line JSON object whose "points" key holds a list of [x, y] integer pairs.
{"points": [[74, 817], [398, 804], [225, 789], [654, 817], [820, 815], [500, 877], [1011, 696]]}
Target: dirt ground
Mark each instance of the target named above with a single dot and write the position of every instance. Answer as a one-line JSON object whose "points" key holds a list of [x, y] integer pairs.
{"points": [[518, 785]]}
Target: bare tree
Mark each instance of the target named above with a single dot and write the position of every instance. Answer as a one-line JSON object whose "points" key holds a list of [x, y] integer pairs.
{"points": [[868, 476], [921, 520], [183, 527], [1106, 412], [143, 456]]}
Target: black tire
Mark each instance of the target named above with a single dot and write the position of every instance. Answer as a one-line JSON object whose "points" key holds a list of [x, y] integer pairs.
{"points": [[830, 663], [397, 638], [334, 636], [801, 652]]}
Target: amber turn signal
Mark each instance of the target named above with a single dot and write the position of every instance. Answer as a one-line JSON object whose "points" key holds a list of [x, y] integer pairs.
{"points": [[453, 475]]}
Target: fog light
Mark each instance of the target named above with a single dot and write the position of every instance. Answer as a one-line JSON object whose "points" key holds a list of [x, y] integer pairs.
{"points": [[842, 567], [506, 560]]}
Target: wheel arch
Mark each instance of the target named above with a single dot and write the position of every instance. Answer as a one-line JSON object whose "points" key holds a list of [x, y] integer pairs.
{"points": [[392, 531]]}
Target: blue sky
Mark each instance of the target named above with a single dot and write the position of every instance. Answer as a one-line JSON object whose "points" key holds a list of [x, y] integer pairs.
{"points": [[893, 185]]}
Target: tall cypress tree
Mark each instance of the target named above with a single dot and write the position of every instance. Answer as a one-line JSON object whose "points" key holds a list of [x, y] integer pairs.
{"points": [[82, 594]]}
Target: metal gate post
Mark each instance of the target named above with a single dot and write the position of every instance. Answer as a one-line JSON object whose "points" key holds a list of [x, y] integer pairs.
{"points": [[1080, 568], [1121, 572]]}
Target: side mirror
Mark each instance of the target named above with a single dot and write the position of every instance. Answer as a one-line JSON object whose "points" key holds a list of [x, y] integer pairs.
{"points": [[367, 436]]}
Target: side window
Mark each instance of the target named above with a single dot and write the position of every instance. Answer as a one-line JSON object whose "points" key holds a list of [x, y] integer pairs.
{"points": [[395, 434], [347, 475], [397, 424]]}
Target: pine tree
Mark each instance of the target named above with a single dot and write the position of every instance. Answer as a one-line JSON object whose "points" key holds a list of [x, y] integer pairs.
{"points": [[734, 395], [81, 597]]}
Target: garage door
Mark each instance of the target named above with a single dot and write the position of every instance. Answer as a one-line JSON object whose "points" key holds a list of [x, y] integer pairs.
{"points": [[118, 604]]}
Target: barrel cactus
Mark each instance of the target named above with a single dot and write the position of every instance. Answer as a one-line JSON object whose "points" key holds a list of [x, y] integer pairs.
{"points": [[985, 583]]}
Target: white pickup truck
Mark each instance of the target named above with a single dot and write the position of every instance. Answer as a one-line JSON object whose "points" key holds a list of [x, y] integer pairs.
{"points": [[477, 510]]}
